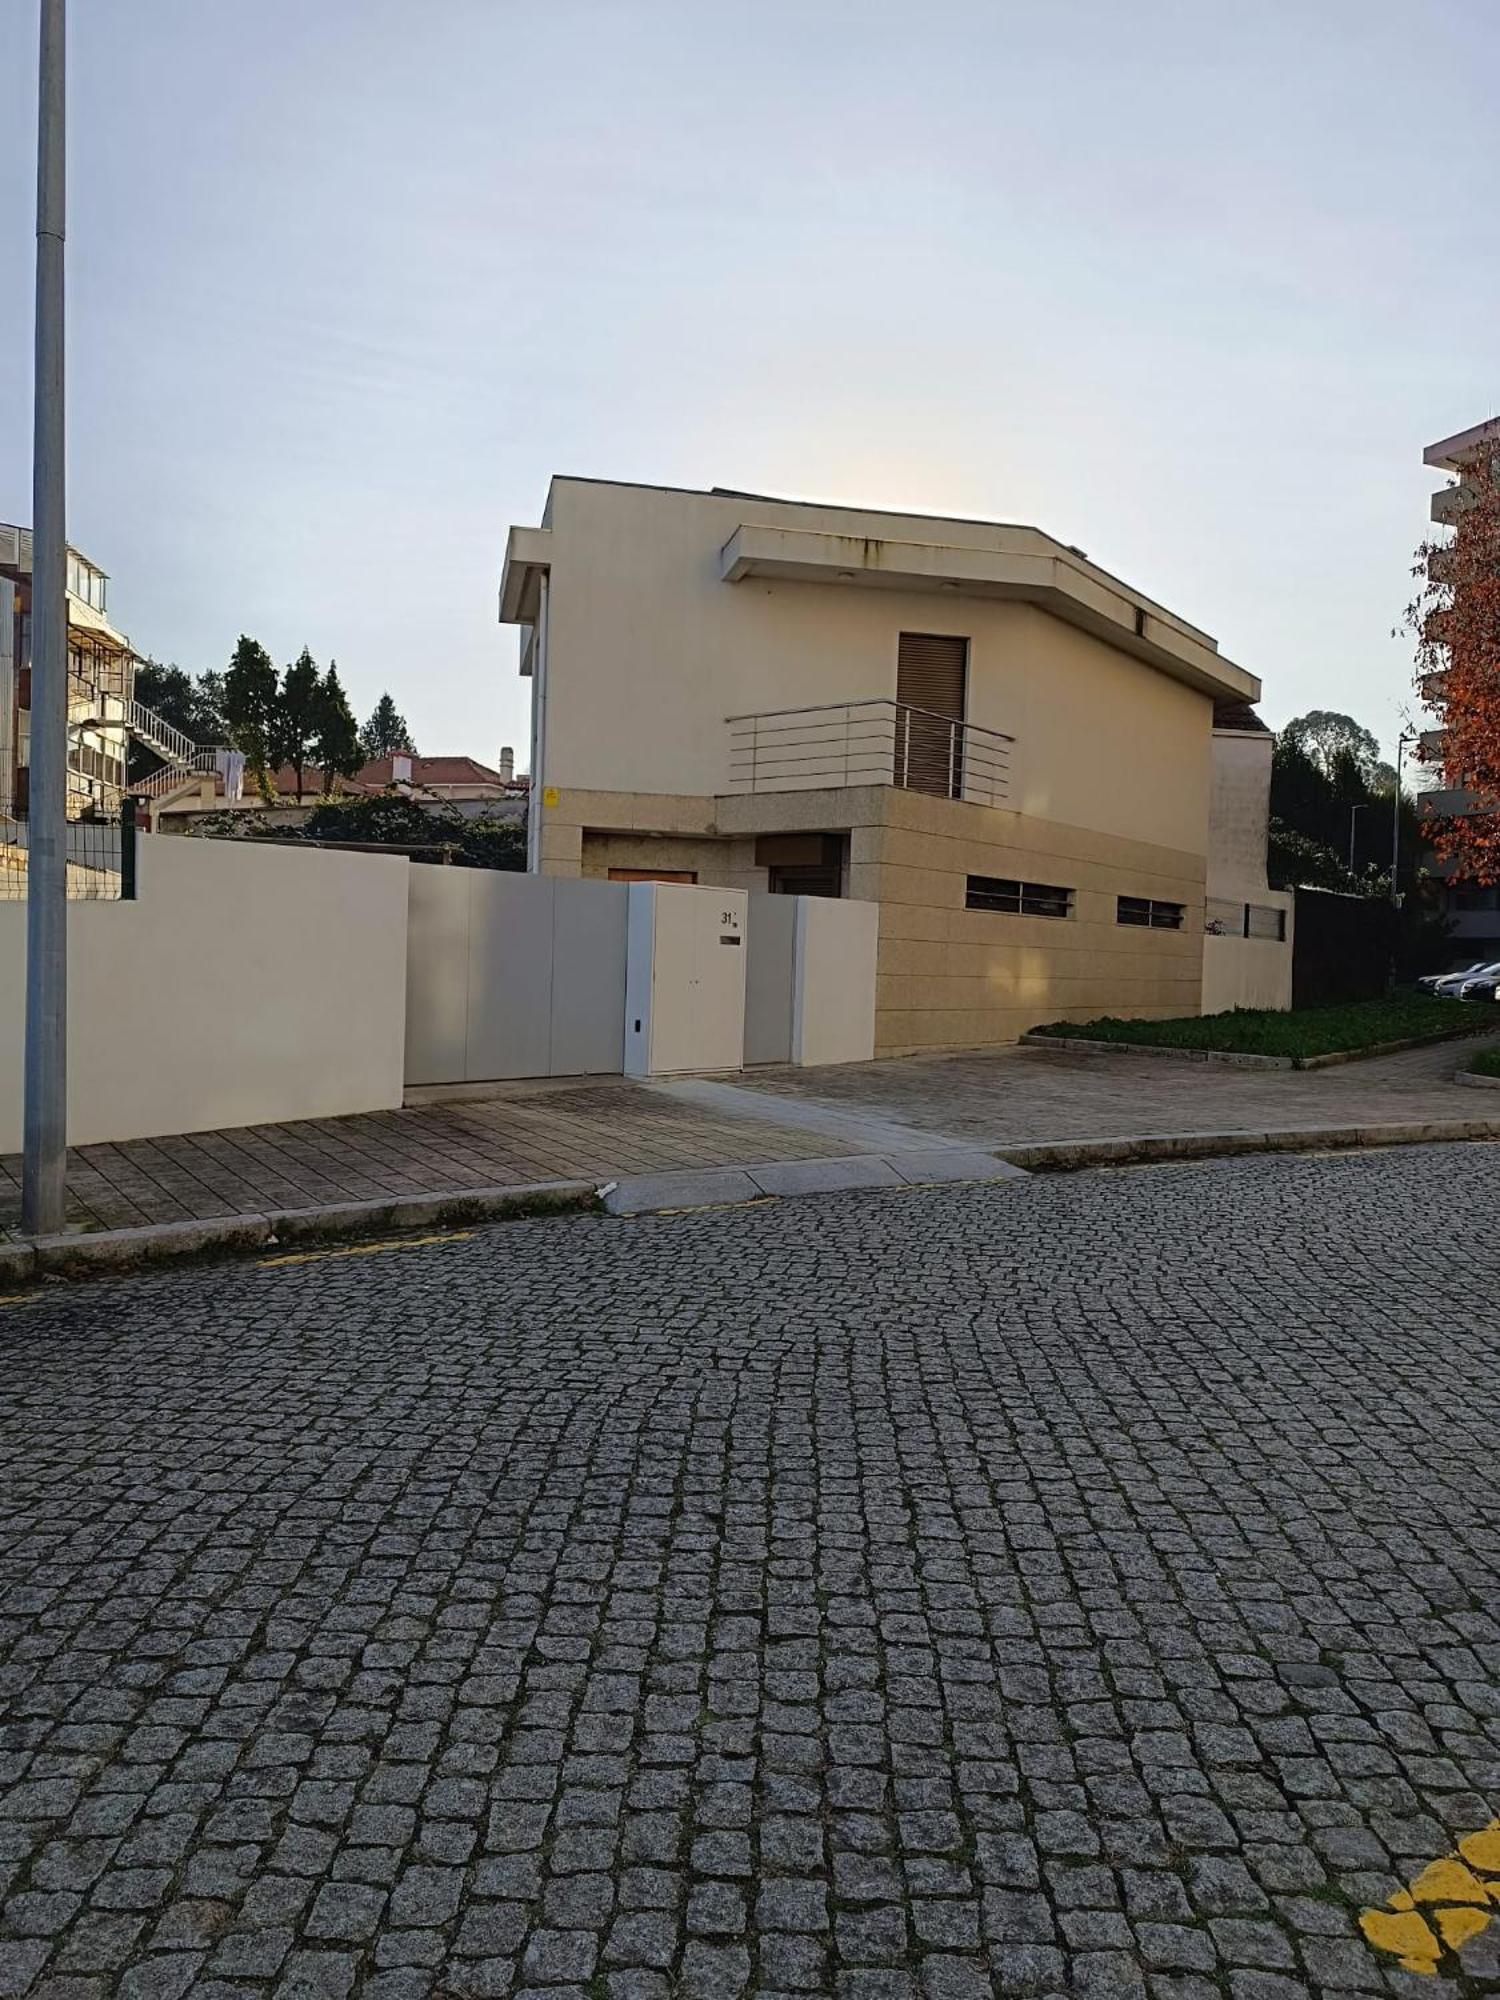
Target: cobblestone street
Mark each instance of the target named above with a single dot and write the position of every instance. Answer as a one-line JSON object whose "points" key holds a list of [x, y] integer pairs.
{"points": [[1080, 1586]]}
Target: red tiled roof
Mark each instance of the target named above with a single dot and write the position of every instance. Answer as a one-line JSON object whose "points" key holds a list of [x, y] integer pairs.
{"points": [[378, 775], [432, 771]]}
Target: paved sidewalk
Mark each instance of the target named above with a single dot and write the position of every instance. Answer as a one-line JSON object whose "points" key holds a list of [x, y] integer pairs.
{"points": [[608, 1128], [511, 1135]]}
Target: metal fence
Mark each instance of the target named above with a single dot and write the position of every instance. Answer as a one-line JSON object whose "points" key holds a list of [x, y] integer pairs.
{"points": [[101, 858]]}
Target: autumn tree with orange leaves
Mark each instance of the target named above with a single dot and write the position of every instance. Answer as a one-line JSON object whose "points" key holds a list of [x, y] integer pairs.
{"points": [[1455, 618]]}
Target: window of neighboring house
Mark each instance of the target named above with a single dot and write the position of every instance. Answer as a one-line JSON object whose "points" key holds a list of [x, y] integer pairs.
{"points": [[688, 875], [1149, 914], [1018, 899]]}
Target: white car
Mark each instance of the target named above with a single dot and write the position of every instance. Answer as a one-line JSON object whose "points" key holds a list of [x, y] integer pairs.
{"points": [[1452, 987], [1433, 980]]}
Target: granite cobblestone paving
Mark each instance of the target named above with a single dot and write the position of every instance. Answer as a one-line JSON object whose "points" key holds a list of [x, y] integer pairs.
{"points": [[1085, 1586]]}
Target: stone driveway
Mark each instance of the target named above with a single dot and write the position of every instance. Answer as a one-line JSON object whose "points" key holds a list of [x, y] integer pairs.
{"points": [[1019, 1094], [1084, 1587]]}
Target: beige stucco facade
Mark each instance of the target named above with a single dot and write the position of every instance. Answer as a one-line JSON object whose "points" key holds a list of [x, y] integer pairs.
{"points": [[1242, 969], [654, 616]]}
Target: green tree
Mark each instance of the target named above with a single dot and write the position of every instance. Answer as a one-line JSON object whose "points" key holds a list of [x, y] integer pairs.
{"points": [[195, 706], [251, 704], [386, 732], [335, 744], [393, 819], [1323, 733], [210, 727], [298, 713]]}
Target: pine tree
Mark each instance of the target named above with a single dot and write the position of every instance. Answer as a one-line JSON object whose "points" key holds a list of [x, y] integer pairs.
{"points": [[250, 704], [298, 714], [336, 744], [386, 732]]}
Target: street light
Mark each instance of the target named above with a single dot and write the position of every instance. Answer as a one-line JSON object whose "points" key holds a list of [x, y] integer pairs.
{"points": [[1367, 806], [44, 1141], [1401, 743]]}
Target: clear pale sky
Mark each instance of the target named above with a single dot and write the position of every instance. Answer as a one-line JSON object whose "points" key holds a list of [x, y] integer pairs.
{"points": [[1187, 282]]}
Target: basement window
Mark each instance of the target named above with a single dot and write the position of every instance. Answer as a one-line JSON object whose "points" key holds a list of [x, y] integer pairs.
{"points": [[1148, 914], [1018, 899]]}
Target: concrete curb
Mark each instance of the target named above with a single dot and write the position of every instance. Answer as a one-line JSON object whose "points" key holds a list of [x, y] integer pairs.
{"points": [[644, 1194], [717, 1187], [1080, 1045], [1069, 1156], [1232, 1059], [160, 1242], [1475, 1081]]}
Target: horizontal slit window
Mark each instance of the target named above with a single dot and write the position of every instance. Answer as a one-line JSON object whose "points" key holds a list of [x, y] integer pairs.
{"points": [[1149, 914], [1018, 899]]}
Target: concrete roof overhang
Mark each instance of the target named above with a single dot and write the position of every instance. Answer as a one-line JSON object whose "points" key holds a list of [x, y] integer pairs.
{"points": [[1024, 565]]}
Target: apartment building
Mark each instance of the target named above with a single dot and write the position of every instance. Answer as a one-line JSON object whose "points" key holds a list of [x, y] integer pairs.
{"points": [[101, 685], [968, 723], [1472, 908]]}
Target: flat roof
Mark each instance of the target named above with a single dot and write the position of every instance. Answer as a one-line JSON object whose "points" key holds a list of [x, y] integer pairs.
{"points": [[1451, 454], [852, 545], [883, 514]]}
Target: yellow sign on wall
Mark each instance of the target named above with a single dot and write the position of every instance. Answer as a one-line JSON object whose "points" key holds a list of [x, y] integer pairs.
{"points": [[549, 795]]}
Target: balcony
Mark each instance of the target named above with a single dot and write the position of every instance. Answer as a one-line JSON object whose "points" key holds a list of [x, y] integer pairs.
{"points": [[869, 743]]}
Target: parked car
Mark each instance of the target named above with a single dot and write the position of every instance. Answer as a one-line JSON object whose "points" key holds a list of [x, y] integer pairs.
{"points": [[1432, 980], [1482, 988], [1451, 986]]}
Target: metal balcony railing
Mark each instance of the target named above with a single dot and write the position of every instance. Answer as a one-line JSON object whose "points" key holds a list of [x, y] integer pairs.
{"points": [[869, 743]]}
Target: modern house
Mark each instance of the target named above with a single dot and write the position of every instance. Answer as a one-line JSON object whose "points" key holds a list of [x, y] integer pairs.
{"points": [[970, 724], [1472, 908]]}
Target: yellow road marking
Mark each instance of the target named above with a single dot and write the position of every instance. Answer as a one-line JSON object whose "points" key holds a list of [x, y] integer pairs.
{"points": [[1450, 1902], [368, 1249]]}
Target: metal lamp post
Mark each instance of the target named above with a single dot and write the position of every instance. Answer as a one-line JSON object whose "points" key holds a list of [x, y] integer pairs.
{"points": [[44, 1138], [1365, 807], [1401, 743]]}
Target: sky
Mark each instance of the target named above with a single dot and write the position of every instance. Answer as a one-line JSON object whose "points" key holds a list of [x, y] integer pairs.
{"points": [[1188, 283]]}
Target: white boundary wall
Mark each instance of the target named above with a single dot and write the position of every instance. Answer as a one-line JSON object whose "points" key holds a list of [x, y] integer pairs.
{"points": [[1249, 972], [833, 981], [244, 985], [525, 975]]}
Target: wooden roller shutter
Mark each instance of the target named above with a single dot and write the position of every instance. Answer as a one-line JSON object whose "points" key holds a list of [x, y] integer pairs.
{"points": [[931, 670]]}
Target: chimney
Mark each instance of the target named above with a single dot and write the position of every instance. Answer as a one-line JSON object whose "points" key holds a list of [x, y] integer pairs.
{"points": [[507, 765], [400, 769]]}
